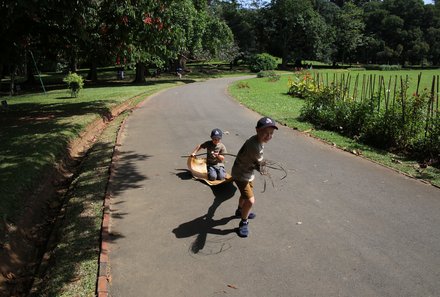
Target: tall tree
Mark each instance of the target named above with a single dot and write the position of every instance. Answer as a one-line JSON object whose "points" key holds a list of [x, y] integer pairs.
{"points": [[298, 30], [18, 35], [243, 23], [140, 32], [349, 31]]}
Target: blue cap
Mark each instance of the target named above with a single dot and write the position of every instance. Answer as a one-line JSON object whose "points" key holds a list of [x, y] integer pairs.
{"points": [[266, 122], [216, 133]]}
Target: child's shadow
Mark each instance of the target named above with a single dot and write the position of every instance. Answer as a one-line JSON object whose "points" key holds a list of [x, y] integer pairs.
{"points": [[205, 224]]}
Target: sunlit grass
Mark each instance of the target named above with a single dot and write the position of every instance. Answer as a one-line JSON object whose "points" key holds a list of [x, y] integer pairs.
{"points": [[271, 99], [75, 268], [36, 129]]}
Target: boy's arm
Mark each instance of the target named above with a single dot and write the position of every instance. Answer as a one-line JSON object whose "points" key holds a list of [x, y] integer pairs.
{"points": [[258, 160], [220, 155], [197, 148]]}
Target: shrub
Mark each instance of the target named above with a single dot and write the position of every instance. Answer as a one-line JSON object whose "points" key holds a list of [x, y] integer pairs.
{"points": [[357, 69], [75, 83], [243, 85], [320, 108], [262, 62], [387, 67], [301, 87], [409, 124], [428, 148], [271, 75]]}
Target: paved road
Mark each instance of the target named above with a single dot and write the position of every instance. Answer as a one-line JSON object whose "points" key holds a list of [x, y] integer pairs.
{"points": [[338, 225]]}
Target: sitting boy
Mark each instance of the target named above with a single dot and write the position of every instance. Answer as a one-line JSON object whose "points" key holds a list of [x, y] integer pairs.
{"points": [[215, 151]]}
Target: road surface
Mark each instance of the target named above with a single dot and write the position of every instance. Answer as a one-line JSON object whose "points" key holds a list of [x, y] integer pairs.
{"points": [[338, 225]]}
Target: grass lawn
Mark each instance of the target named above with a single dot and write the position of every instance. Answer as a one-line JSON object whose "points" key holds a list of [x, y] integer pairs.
{"points": [[75, 253], [425, 81], [271, 99], [36, 129], [35, 132]]}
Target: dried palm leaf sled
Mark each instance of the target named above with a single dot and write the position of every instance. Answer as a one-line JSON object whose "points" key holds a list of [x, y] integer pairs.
{"points": [[197, 166]]}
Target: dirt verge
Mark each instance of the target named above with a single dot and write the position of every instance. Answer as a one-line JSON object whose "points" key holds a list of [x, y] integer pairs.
{"points": [[23, 246]]}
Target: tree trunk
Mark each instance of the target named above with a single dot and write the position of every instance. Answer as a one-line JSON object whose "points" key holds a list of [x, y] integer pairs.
{"points": [[73, 64], [284, 60], [12, 76], [93, 73], [30, 78], [182, 61], [140, 73]]}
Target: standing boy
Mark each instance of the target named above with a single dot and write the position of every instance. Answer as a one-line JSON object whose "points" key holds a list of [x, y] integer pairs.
{"points": [[215, 151], [248, 159]]}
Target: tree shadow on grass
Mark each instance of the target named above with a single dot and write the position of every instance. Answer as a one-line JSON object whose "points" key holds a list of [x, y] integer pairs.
{"points": [[35, 136], [205, 224], [80, 230]]}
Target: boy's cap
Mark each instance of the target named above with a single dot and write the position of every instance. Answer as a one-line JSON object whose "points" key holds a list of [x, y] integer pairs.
{"points": [[216, 133], [266, 122]]}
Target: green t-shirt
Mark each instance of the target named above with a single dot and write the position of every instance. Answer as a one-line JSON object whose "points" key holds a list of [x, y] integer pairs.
{"points": [[248, 158], [211, 148]]}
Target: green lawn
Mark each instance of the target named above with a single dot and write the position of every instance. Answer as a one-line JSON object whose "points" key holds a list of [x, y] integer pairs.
{"points": [[327, 76], [36, 129], [271, 99], [75, 254]]}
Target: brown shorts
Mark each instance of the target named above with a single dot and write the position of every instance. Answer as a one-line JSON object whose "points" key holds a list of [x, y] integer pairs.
{"points": [[245, 188]]}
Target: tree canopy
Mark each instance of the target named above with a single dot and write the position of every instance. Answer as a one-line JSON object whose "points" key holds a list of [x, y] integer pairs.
{"points": [[166, 33]]}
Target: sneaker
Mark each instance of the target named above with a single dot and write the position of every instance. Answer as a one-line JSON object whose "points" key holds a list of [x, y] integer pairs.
{"points": [[250, 216], [243, 229]]}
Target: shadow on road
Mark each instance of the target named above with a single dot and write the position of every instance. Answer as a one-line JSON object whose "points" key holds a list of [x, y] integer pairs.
{"points": [[205, 224]]}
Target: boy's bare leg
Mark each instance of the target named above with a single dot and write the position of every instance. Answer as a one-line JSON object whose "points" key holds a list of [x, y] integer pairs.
{"points": [[246, 205]]}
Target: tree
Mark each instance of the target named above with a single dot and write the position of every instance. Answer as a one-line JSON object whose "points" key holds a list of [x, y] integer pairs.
{"points": [[140, 32], [349, 31], [243, 23], [297, 30], [18, 33], [433, 39]]}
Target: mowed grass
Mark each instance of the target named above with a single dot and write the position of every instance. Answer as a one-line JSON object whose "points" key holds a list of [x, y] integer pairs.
{"points": [[390, 77], [36, 129], [74, 264], [35, 132], [271, 99]]}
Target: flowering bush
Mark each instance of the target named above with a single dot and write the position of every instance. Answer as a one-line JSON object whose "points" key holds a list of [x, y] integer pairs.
{"points": [[404, 123], [301, 87]]}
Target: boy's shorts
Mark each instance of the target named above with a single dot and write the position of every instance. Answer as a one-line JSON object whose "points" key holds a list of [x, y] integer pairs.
{"points": [[246, 189]]}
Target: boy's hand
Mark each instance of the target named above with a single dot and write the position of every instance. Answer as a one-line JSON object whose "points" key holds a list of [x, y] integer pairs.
{"points": [[261, 167], [217, 156], [214, 154]]}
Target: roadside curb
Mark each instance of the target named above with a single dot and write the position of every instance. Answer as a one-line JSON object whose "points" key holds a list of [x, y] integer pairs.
{"points": [[104, 278], [103, 270]]}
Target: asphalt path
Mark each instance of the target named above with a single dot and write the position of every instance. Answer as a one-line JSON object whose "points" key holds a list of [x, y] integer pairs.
{"points": [[337, 225]]}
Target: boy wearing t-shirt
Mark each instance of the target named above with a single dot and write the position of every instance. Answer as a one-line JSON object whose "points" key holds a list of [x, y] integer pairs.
{"points": [[248, 159], [215, 151]]}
